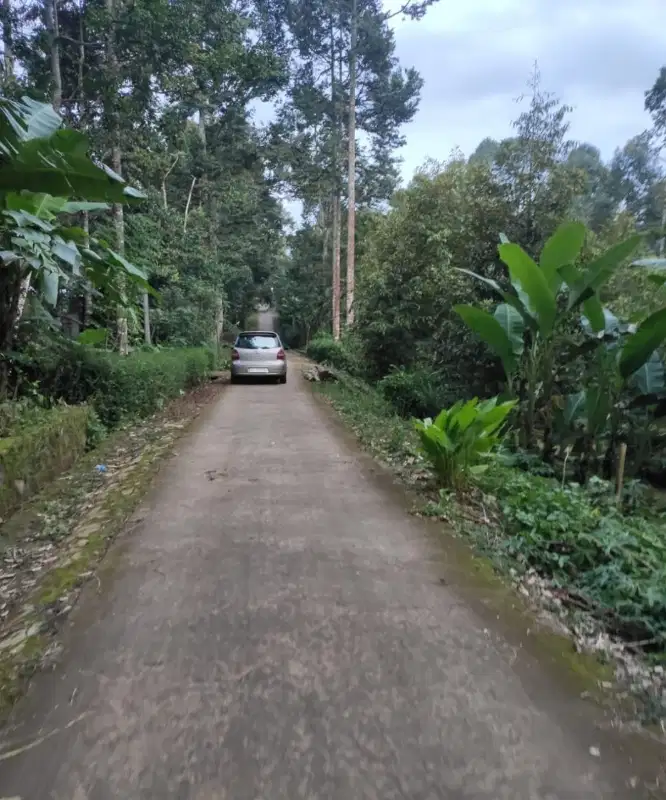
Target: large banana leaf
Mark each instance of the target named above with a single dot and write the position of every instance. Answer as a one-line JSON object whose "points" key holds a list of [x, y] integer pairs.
{"points": [[642, 344], [525, 272], [489, 329], [25, 119], [513, 325], [562, 248], [39, 156], [600, 270], [649, 378]]}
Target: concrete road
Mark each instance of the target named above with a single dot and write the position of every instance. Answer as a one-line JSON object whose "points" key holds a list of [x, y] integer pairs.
{"points": [[274, 625]]}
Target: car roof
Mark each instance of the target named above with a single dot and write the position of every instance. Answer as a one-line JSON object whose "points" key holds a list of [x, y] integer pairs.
{"points": [[257, 333]]}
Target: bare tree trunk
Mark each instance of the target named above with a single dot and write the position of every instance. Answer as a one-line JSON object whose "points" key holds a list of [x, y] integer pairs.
{"points": [[23, 296], [51, 23], [87, 296], [187, 206], [164, 189], [335, 183], [146, 319], [351, 204], [336, 267], [116, 161], [8, 54]]}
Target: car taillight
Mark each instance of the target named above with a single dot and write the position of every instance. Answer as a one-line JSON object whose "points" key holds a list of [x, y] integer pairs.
{"points": [[235, 355], [280, 354]]}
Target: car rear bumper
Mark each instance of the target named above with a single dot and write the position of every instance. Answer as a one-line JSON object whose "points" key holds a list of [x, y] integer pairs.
{"points": [[258, 369]]}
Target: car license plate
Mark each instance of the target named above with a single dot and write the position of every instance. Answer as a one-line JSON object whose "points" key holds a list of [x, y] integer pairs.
{"points": [[258, 370]]}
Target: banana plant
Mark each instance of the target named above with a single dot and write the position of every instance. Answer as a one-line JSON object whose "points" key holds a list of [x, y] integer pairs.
{"points": [[42, 166], [460, 440], [525, 335]]}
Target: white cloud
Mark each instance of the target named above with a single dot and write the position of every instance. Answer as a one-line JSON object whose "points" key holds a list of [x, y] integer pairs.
{"points": [[475, 58]]}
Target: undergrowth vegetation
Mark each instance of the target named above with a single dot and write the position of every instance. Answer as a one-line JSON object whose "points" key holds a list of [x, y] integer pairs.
{"points": [[606, 559]]}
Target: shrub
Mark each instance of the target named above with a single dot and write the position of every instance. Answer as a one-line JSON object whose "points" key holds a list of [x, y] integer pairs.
{"points": [[462, 437], [614, 563], [139, 384], [417, 392], [38, 450], [117, 386], [342, 354]]}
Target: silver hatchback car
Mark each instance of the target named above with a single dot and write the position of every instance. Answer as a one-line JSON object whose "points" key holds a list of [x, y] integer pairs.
{"points": [[258, 354]]}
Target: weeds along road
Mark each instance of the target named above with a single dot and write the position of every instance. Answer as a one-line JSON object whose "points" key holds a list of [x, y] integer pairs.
{"points": [[273, 625]]}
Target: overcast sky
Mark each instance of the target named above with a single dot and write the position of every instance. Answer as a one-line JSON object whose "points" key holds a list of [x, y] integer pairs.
{"points": [[475, 57]]}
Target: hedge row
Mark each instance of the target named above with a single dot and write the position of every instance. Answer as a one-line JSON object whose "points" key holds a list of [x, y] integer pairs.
{"points": [[121, 387], [39, 451]]}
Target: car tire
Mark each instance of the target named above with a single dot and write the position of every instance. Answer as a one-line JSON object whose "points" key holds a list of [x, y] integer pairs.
{"points": [[282, 379], [234, 379]]}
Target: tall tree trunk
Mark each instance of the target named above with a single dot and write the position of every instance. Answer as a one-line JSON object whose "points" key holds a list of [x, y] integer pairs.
{"points": [[87, 297], [116, 159], [351, 203], [51, 24], [8, 54], [147, 338], [336, 266], [335, 182]]}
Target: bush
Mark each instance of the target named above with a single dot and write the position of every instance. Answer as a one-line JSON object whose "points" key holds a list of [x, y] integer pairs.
{"points": [[415, 392], [139, 384], [615, 563], [39, 450], [343, 354], [117, 386], [462, 437]]}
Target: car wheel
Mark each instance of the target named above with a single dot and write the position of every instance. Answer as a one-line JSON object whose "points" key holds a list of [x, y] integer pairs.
{"points": [[282, 379], [234, 379]]}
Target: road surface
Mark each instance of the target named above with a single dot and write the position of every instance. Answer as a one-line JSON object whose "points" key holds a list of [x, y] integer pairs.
{"points": [[274, 625]]}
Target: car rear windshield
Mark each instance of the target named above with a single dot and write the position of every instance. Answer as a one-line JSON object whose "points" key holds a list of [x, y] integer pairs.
{"points": [[257, 341]]}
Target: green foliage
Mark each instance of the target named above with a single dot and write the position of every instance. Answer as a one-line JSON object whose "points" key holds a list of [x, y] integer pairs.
{"points": [[616, 563], [38, 156], [41, 444], [407, 286], [460, 439], [117, 387], [414, 392], [326, 350]]}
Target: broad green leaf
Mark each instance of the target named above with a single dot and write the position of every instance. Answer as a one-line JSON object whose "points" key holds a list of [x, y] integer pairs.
{"points": [[66, 251], [75, 208], [562, 248], [640, 346], [597, 408], [600, 270], [93, 336], [509, 298], [658, 280], [513, 325], [525, 272], [25, 119], [649, 378], [491, 332], [50, 281], [595, 314]]}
